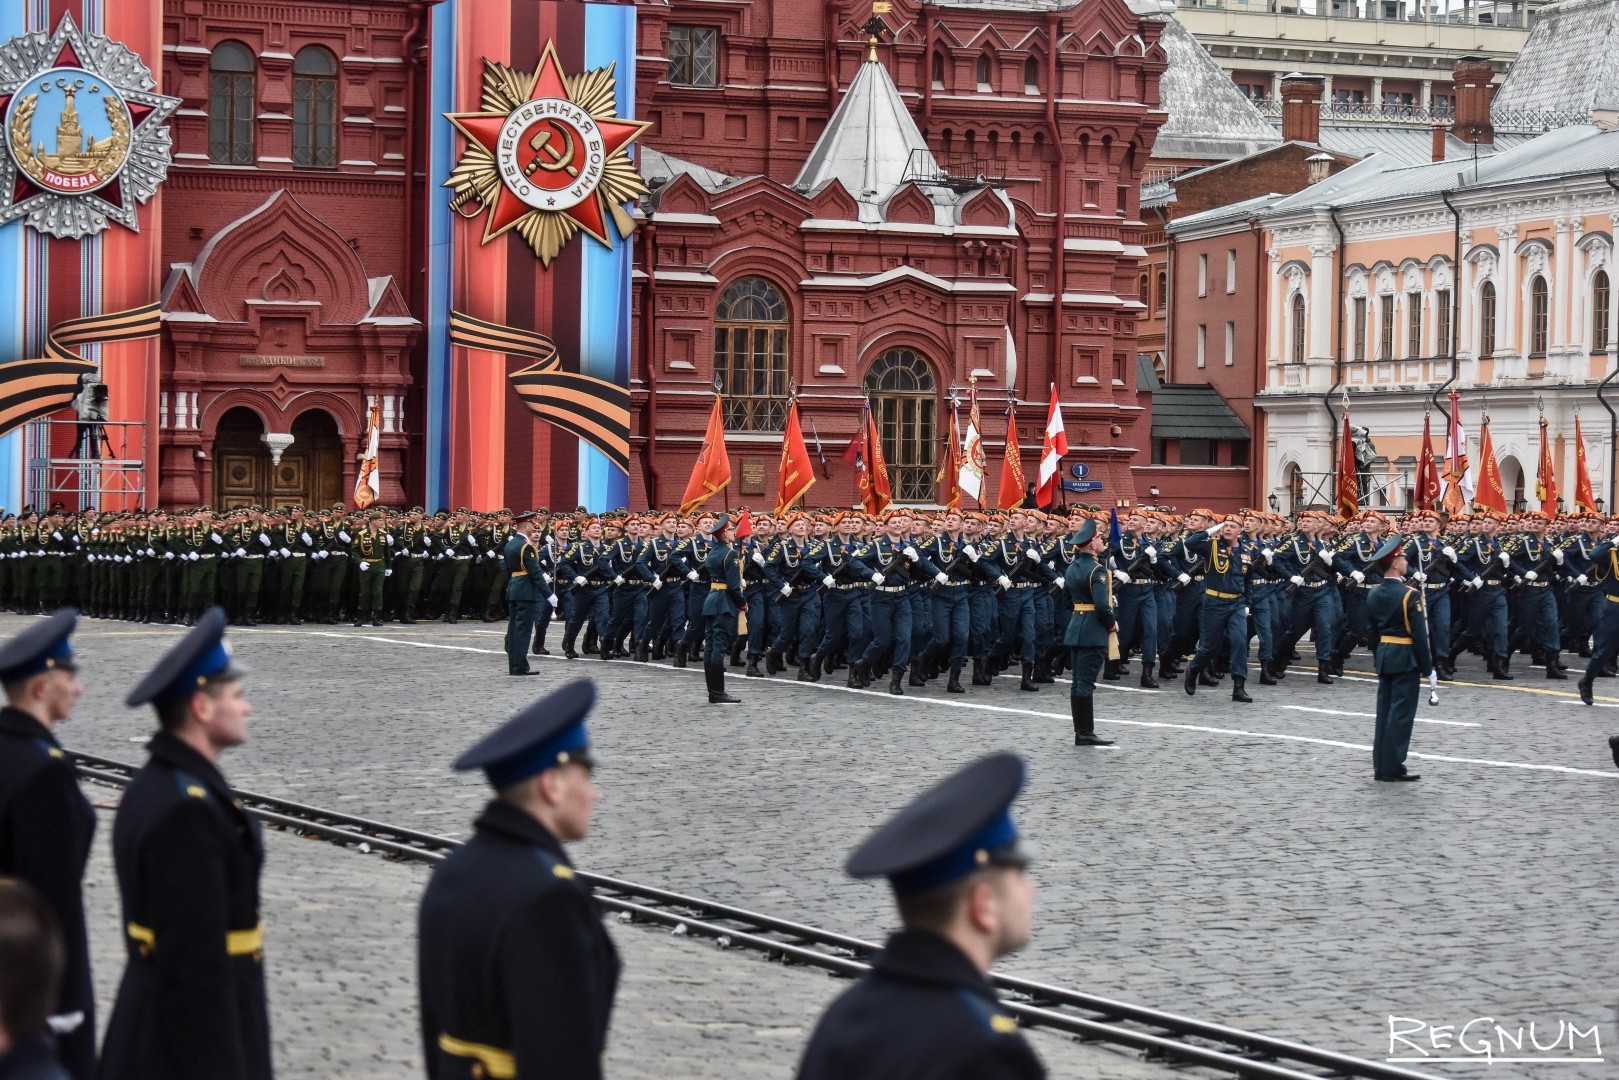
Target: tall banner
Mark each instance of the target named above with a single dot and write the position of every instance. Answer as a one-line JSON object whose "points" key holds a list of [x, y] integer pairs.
{"points": [[1546, 475], [1348, 481], [1584, 497], [530, 239], [1490, 494], [1053, 446], [1427, 485], [1458, 470], [712, 471], [1011, 489], [973, 463], [797, 474], [86, 149], [949, 479], [875, 490]]}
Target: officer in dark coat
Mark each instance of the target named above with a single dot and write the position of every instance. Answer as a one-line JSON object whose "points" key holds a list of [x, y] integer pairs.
{"points": [[46, 823], [1089, 630], [926, 1010], [526, 589], [722, 609], [31, 967], [191, 1005], [1395, 615], [517, 971]]}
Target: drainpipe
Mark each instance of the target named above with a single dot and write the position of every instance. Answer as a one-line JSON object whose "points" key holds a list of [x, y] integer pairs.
{"points": [[1058, 268], [1169, 290], [831, 57], [418, 19], [649, 367], [1613, 419], [1455, 308], [929, 31], [1256, 492], [1338, 348]]}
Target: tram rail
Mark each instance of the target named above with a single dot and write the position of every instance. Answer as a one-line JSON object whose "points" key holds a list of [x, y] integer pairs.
{"points": [[1158, 1035]]}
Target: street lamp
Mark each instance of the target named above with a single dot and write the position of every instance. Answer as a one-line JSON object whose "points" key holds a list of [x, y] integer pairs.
{"points": [[1275, 503], [1153, 492]]}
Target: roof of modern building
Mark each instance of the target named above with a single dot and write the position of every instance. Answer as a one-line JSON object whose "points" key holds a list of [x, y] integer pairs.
{"points": [[1410, 144], [1194, 411], [1237, 211]]}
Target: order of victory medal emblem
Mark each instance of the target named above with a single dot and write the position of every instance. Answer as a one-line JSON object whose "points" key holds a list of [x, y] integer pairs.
{"points": [[547, 157], [85, 143]]}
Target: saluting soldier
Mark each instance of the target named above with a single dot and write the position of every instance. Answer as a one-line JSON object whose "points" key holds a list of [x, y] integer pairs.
{"points": [[1222, 613], [1092, 620], [517, 972], [191, 1005], [1394, 611], [525, 589], [926, 1008], [46, 823]]}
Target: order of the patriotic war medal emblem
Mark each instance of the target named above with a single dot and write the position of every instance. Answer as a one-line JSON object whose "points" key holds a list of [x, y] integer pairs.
{"points": [[84, 135], [547, 157]]}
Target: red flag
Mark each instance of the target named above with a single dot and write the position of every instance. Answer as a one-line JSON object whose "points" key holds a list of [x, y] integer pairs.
{"points": [[1490, 494], [1427, 490], [1546, 476], [1011, 492], [744, 525], [950, 477], [797, 471], [1052, 448], [1584, 498], [712, 472], [1458, 472], [1348, 482], [875, 490]]}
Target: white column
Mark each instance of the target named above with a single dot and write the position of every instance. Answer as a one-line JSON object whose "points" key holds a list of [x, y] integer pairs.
{"points": [[1377, 93], [1273, 334], [1565, 293], [1426, 100], [1509, 297], [1321, 321]]}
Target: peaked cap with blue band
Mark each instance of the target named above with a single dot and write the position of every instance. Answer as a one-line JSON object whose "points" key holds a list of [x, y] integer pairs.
{"points": [[1085, 532], [548, 733], [1390, 548], [200, 659], [42, 647], [959, 825]]}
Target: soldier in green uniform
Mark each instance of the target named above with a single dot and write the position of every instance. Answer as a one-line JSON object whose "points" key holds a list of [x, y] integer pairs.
{"points": [[1091, 623], [459, 547], [415, 547], [722, 609], [1395, 613], [371, 549]]}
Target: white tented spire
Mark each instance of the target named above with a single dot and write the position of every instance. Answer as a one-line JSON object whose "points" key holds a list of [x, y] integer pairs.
{"points": [[868, 144]]}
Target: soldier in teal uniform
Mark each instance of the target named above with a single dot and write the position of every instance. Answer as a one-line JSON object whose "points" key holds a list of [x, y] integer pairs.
{"points": [[526, 588], [1605, 572], [1223, 611], [1395, 615], [1086, 585], [721, 608]]}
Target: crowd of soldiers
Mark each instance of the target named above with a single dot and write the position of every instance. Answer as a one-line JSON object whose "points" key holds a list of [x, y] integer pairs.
{"points": [[911, 594]]}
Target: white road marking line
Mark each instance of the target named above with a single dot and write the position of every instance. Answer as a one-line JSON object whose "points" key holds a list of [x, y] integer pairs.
{"points": [[1373, 716], [948, 703], [1594, 704]]}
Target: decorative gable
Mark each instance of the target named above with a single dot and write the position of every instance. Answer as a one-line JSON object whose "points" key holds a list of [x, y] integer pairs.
{"points": [[834, 203], [682, 195], [909, 206], [984, 209]]}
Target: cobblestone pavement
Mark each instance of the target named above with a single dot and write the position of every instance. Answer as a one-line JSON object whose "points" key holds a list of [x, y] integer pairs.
{"points": [[1233, 862]]}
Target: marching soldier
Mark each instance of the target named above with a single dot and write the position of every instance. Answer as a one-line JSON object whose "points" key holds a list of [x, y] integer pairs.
{"points": [[370, 551], [891, 562], [965, 899], [516, 971], [1394, 611], [1090, 595], [1223, 615], [952, 617], [795, 571], [1605, 572], [588, 566], [722, 610], [666, 573], [191, 1004], [1017, 566], [46, 823]]}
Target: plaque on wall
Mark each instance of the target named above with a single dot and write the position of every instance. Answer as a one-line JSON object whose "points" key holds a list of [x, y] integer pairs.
{"points": [[753, 476]]}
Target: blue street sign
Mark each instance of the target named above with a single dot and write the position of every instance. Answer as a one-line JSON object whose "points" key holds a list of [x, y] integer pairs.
{"points": [[1081, 487], [1080, 470]]}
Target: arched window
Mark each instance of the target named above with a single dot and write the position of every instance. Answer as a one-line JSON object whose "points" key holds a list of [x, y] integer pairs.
{"points": [[314, 109], [1486, 319], [981, 72], [1539, 306], [1163, 289], [938, 70], [230, 104], [1297, 328], [1144, 291], [750, 355], [904, 399], [1031, 76], [1600, 297]]}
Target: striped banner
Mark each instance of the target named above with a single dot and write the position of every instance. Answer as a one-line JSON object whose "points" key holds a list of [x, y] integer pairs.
{"points": [[595, 410], [37, 387]]}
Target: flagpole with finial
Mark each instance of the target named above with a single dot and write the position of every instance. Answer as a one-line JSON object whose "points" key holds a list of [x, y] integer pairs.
{"points": [[719, 385]]}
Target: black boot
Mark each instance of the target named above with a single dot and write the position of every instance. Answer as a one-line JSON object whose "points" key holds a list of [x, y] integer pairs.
{"points": [[753, 671], [680, 655], [954, 685], [1238, 693], [453, 615], [804, 672], [1147, 681], [736, 651], [716, 685], [1585, 690], [1110, 670], [1322, 674], [1265, 677], [1499, 670], [917, 678], [1555, 670], [539, 644], [1207, 678], [568, 649], [980, 672], [1189, 683], [1042, 671], [1084, 712], [816, 663], [660, 649], [773, 662], [1028, 678], [895, 677], [642, 655], [857, 678]]}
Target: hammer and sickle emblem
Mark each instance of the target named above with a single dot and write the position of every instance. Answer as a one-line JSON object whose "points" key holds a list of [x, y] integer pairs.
{"points": [[548, 155]]}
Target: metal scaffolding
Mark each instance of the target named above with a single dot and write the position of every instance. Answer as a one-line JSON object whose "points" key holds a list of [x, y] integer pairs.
{"points": [[106, 469]]}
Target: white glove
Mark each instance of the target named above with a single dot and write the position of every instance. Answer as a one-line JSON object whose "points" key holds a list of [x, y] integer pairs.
{"points": [[1212, 529], [1124, 579], [343, 536], [941, 577], [389, 537], [240, 552], [970, 551], [786, 590], [491, 554], [388, 572], [473, 540], [286, 553], [828, 580], [90, 558], [1477, 582], [150, 553], [657, 583], [1152, 553], [758, 556], [1557, 556], [1324, 555], [910, 553], [56, 536], [129, 558], [428, 540], [364, 566], [552, 599], [216, 538], [1531, 576], [264, 538], [1269, 553], [618, 579], [692, 575], [1296, 579], [1004, 582], [547, 578], [168, 554], [1583, 580], [579, 579], [1448, 552], [306, 538], [1184, 579], [1032, 555], [1420, 576], [877, 579], [1358, 576], [1504, 557], [196, 556]]}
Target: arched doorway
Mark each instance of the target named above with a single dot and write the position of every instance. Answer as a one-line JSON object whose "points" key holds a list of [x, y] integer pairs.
{"points": [[1512, 484], [310, 472], [905, 401], [241, 460]]}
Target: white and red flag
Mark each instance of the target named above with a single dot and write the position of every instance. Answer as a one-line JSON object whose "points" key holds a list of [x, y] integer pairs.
{"points": [[1052, 449]]}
